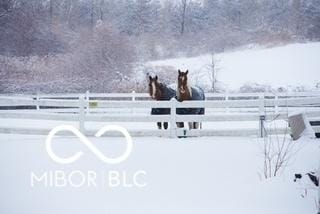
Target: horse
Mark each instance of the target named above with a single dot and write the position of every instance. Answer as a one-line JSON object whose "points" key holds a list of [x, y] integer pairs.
{"points": [[159, 91], [186, 92]]}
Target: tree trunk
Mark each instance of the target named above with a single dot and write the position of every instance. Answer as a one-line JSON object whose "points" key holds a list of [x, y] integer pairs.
{"points": [[183, 16]]}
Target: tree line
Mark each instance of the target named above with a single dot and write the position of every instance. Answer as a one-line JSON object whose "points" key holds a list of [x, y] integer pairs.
{"points": [[111, 37]]}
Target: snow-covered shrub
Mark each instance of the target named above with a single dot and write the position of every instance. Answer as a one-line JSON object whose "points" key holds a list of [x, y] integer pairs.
{"points": [[166, 74], [254, 87], [100, 60], [278, 151]]}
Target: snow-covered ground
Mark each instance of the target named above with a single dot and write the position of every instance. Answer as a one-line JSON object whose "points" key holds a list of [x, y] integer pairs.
{"points": [[183, 175], [190, 175], [290, 65], [94, 126]]}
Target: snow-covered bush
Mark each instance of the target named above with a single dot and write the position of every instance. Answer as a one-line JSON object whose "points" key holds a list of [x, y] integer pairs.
{"points": [[254, 87], [278, 151], [100, 60]]}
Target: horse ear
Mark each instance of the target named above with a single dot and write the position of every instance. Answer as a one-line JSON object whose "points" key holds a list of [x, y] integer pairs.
{"points": [[156, 77], [179, 71], [150, 78], [187, 71]]}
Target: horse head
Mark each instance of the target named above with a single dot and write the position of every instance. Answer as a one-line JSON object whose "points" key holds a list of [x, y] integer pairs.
{"points": [[155, 88], [183, 87]]}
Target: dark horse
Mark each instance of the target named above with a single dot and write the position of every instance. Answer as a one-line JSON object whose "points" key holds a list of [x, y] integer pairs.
{"points": [[159, 91], [186, 92]]}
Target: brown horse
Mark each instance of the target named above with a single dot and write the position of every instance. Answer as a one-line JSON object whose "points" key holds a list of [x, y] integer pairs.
{"points": [[159, 91], [186, 92]]}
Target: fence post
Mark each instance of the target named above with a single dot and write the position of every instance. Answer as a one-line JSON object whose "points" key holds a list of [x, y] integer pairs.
{"points": [[37, 101], [226, 99], [276, 107], [319, 190], [173, 104], [81, 113], [87, 102], [262, 116], [133, 96]]}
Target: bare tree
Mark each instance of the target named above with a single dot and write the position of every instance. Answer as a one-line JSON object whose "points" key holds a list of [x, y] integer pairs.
{"points": [[6, 7], [51, 10], [278, 151], [184, 4], [92, 13], [101, 9], [213, 72]]}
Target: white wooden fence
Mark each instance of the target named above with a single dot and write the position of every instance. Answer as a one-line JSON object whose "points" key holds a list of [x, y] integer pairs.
{"points": [[135, 107]]}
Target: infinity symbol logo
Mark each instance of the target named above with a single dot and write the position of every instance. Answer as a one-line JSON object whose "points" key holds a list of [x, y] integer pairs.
{"points": [[88, 144]]}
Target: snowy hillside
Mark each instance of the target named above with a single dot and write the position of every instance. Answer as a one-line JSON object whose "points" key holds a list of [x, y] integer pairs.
{"points": [[291, 65]]}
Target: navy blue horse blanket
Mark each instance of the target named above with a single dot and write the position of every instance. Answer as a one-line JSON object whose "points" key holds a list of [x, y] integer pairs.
{"points": [[167, 94], [197, 94]]}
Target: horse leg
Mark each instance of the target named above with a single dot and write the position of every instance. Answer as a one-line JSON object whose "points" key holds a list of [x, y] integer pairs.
{"points": [[180, 124], [159, 125], [165, 125], [196, 125]]}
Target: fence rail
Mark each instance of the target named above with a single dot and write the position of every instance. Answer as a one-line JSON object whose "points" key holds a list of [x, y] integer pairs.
{"points": [[145, 95], [135, 107]]}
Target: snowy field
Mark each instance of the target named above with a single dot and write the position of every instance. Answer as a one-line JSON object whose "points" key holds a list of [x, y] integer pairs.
{"points": [[80, 104], [202, 175], [136, 126], [190, 175], [286, 66]]}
